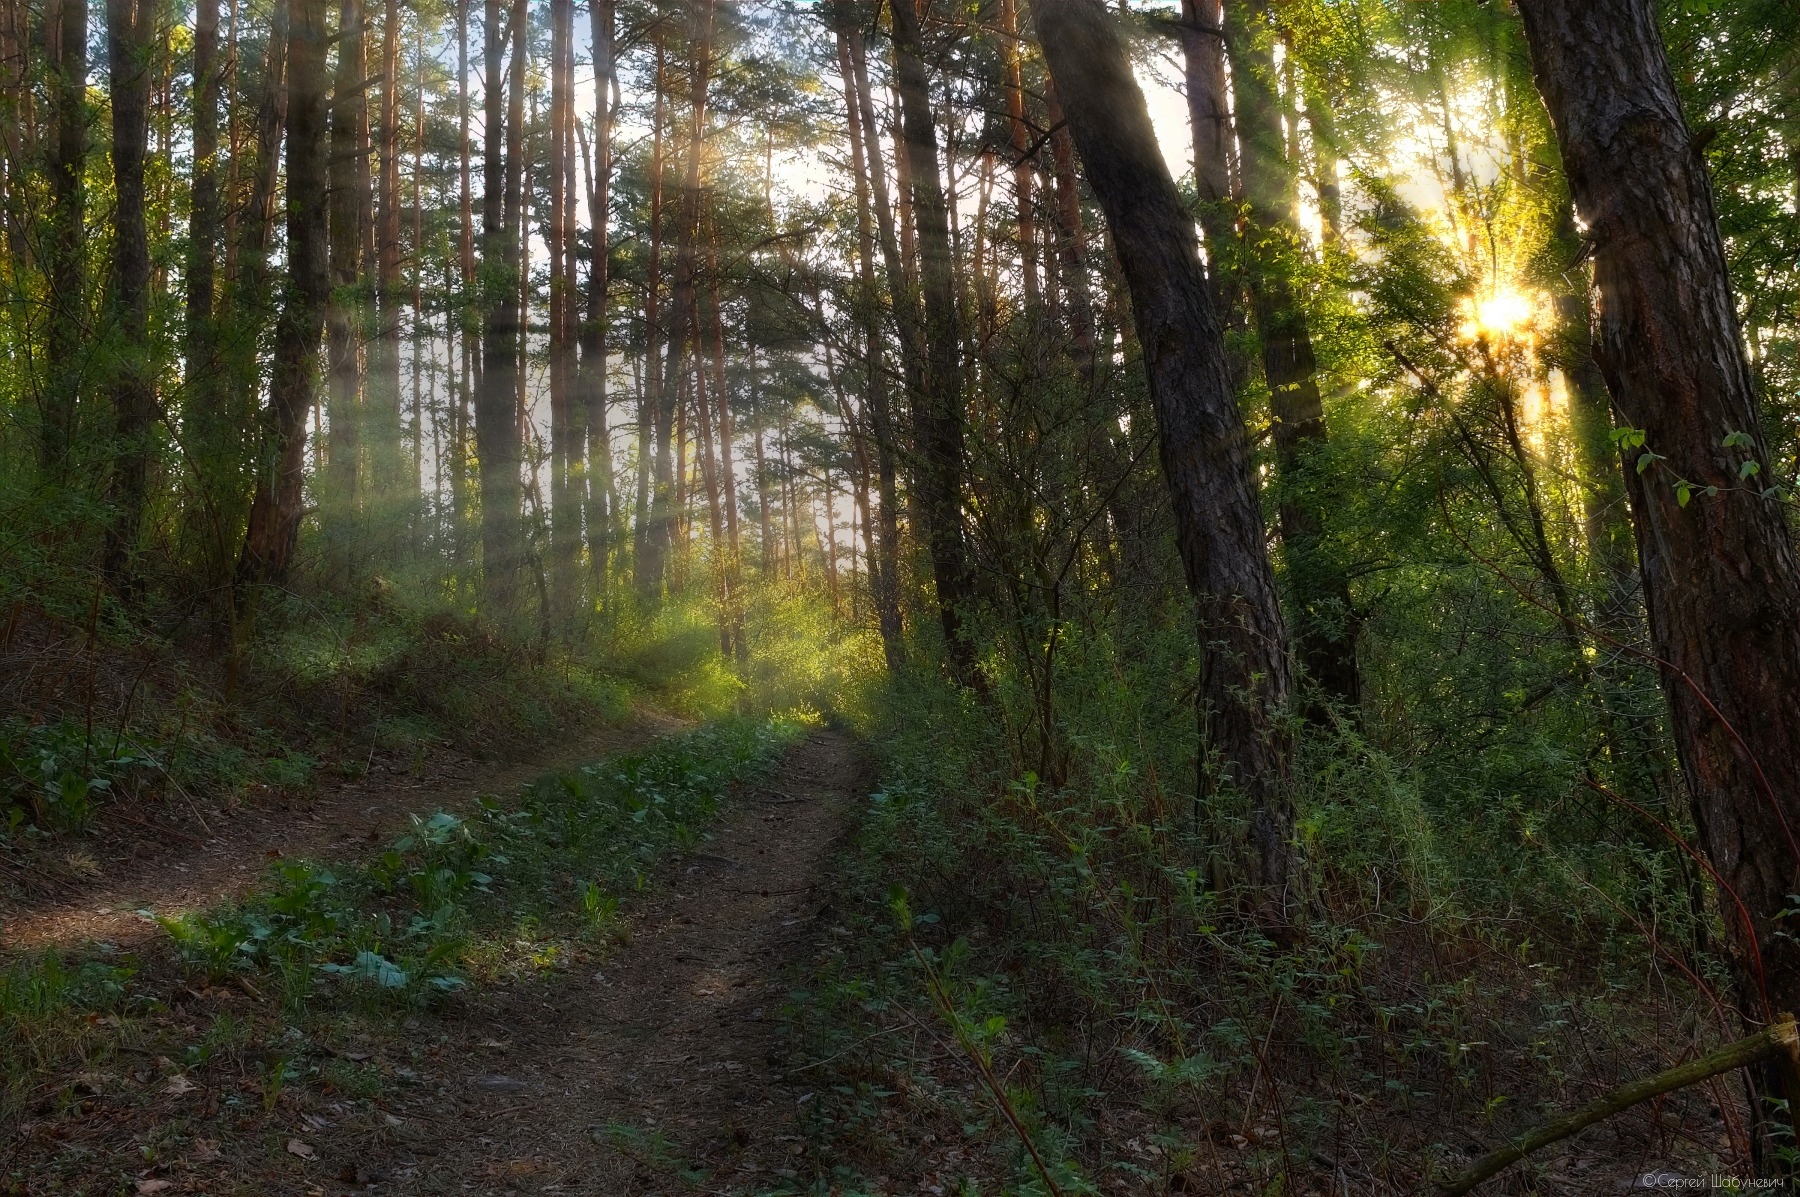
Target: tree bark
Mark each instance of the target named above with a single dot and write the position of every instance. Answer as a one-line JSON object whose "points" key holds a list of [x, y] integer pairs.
{"points": [[1720, 577], [129, 27], [274, 522], [342, 496], [565, 431], [1317, 588], [391, 483], [938, 409], [205, 214], [66, 31], [496, 421], [1244, 683], [602, 507]]}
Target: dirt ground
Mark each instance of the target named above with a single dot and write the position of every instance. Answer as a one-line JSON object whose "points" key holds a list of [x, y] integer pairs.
{"points": [[190, 858], [654, 1069]]}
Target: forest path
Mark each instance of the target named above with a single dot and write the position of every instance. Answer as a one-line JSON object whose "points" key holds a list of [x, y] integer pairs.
{"points": [[657, 1074], [213, 859]]}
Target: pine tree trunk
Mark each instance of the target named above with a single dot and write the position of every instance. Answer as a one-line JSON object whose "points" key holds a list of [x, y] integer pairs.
{"points": [[602, 507], [565, 431], [1319, 592], [129, 26], [1020, 135], [654, 423], [391, 491], [1244, 681], [342, 496], [274, 522], [866, 165], [66, 31], [496, 421], [200, 375], [938, 410], [1720, 577]]}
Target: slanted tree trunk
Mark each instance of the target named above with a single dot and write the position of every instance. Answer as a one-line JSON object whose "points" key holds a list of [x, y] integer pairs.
{"points": [[1244, 682], [129, 27], [1721, 581], [1317, 588], [938, 409], [65, 34], [496, 422], [274, 523]]}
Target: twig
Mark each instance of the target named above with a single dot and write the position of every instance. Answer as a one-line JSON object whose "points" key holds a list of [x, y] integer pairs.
{"points": [[1780, 1038]]}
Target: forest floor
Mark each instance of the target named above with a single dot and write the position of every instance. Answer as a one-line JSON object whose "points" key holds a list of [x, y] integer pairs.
{"points": [[649, 1067], [183, 859]]}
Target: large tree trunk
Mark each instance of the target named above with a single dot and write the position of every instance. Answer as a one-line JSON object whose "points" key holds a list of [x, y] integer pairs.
{"points": [[667, 505], [66, 33], [199, 348], [274, 524], [1316, 586], [1244, 683], [565, 430], [496, 422], [602, 505], [129, 26], [1721, 583], [342, 497], [884, 556], [938, 409], [390, 482], [654, 451]]}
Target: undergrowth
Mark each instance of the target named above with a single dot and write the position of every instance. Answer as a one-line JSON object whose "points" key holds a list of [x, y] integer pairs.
{"points": [[1045, 986]]}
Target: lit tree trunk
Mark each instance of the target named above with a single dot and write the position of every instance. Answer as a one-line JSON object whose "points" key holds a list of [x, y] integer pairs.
{"points": [[496, 423], [884, 560], [937, 414], [1244, 683], [1021, 143], [764, 502], [66, 32], [733, 566], [1721, 582], [129, 26], [274, 522], [342, 491], [1319, 592]]}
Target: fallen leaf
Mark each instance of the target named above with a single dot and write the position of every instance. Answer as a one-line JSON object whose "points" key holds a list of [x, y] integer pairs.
{"points": [[179, 1085], [206, 1150], [154, 1186], [303, 1150]]}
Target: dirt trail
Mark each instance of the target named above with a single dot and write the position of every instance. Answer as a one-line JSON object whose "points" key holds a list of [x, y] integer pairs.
{"points": [[661, 1063], [173, 870]]}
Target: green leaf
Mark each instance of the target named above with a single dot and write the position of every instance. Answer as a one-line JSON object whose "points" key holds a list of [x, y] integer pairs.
{"points": [[1683, 492], [1749, 469]]}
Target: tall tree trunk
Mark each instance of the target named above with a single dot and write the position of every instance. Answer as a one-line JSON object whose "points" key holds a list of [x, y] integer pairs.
{"points": [[66, 34], [1721, 581], [1316, 584], [129, 27], [274, 522], [1013, 84], [388, 467], [884, 559], [602, 508], [654, 452], [342, 497], [565, 430], [201, 378], [1244, 682], [666, 507], [938, 411], [496, 423]]}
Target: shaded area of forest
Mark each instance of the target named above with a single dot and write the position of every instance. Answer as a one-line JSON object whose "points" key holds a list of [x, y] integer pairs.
{"points": [[1295, 495]]}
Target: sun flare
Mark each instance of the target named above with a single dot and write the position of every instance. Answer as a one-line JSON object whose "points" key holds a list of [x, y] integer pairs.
{"points": [[1502, 314]]}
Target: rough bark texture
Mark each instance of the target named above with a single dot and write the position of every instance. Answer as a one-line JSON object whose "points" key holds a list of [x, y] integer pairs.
{"points": [[496, 425], [938, 409], [1721, 583], [1317, 588], [66, 29], [603, 503], [391, 482], [129, 25], [201, 376], [343, 368], [1244, 683], [274, 523], [565, 427]]}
